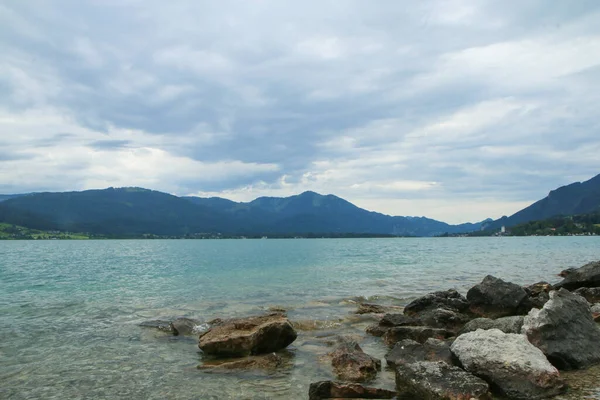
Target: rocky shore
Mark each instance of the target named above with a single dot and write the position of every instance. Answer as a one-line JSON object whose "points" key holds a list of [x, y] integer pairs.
{"points": [[500, 340]]}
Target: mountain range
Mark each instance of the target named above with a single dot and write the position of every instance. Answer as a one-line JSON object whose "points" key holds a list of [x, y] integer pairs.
{"points": [[137, 211]]}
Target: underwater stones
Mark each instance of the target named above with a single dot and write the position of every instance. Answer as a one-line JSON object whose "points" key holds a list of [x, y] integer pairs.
{"points": [[159, 324], [368, 308], [248, 336], [267, 362], [184, 326], [337, 390]]}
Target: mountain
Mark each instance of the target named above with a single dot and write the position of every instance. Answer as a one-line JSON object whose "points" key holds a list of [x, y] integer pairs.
{"points": [[576, 198], [4, 197], [135, 211]]}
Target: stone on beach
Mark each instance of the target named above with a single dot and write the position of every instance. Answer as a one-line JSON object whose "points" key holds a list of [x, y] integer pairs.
{"points": [[351, 363], [248, 336], [512, 365], [417, 333], [442, 318], [438, 381], [564, 329], [586, 276], [409, 351], [592, 295], [505, 324], [495, 298], [336, 390], [448, 299]]}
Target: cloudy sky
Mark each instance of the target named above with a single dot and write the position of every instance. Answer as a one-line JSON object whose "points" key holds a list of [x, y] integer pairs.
{"points": [[457, 110]]}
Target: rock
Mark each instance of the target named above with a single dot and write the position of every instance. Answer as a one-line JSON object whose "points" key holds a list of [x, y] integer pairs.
{"points": [[184, 326], [336, 390], [565, 331], [537, 296], [351, 363], [367, 308], [248, 336], [278, 309], [596, 312], [505, 324], [509, 363], [159, 324], [417, 333], [449, 299], [592, 295], [268, 362], [449, 320], [495, 298], [377, 330], [438, 381], [566, 272], [408, 351], [586, 276], [392, 319]]}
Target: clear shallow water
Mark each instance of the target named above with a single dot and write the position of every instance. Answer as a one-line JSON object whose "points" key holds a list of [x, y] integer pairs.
{"points": [[69, 310]]}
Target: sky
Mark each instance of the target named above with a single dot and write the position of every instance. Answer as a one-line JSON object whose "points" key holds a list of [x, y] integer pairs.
{"points": [[457, 110]]}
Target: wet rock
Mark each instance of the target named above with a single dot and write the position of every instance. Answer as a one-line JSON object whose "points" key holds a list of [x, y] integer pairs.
{"points": [[586, 276], [417, 333], [564, 329], [248, 336], [592, 295], [159, 324], [509, 363], [596, 312], [377, 330], [408, 351], [367, 308], [505, 324], [396, 319], [336, 390], [268, 362], [495, 298], [351, 363], [184, 326], [438, 381], [277, 309], [449, 299], [449, 320]]}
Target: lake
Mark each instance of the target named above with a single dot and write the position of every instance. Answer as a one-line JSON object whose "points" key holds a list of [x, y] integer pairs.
{"points": [[70, 310]]}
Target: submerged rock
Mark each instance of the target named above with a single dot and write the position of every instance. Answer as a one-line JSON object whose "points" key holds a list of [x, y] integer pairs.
{"points": [[449, 299], [337, 390], [409, 351], [417, 333], [592, 295], [368, 308], [248, 336], [184, 326], [495, 298], [268, 362], [586, 276], [564, 329], [351, 363], [505, 324], [438, 381], [512, 365], [159, 324]]}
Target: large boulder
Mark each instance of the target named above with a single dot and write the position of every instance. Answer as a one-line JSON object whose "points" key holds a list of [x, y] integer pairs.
{"points": [[586, 276], [408, 351], [509, 363], [438, 381], [417, 333], [449, 299], [565, 331], [495, 298], [248, 336], [505, 324], [442, 318], [336, 390], [592, 295], [351, 363]]}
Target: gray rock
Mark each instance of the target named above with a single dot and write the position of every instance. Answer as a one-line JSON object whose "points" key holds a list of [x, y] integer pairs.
{"points": [[416, 333], [586, 276], [509, 363], [408, 351], [184, 326], [442, 318], [537, 296], [159, 324], [449, 299], [438, 381], [377, 330], [592, 295], [396, 319], [367, 308], [337, 390], [495, 298], [351, 363], [248, 336], [505, 324], [565, 331]]}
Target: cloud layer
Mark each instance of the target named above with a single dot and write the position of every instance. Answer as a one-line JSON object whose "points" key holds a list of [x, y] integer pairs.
{"points": [[457, 110]]}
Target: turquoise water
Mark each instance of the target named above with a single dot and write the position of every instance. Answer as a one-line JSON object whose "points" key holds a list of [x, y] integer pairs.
{"points": [[69, 310]]}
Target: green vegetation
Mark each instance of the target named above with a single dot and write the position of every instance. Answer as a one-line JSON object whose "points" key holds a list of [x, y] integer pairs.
{"points": [[585, 224], [15, 232]]}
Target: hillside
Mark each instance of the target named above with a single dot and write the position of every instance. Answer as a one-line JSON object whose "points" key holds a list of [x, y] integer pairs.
{"points": [[135, 211], [574, 199]]}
